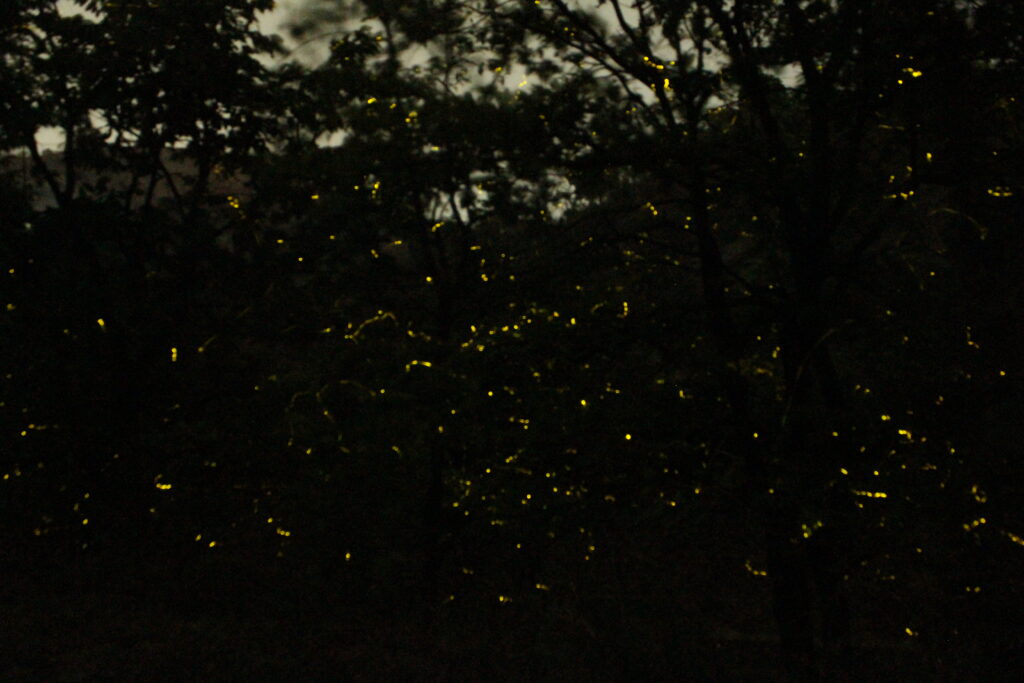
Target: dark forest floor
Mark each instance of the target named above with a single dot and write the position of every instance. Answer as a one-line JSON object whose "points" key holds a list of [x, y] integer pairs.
{"points": [[144, 630]]}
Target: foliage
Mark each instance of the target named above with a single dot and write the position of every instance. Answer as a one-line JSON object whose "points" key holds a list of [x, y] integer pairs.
{"points": [[587, 306]]}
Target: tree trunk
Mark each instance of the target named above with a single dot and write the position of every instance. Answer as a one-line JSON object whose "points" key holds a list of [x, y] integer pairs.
{"points": [[791, 590], [809, 599], [807, 526]]}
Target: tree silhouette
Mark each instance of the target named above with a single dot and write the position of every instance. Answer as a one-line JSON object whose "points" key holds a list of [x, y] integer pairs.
{"points": [[544, 337]]}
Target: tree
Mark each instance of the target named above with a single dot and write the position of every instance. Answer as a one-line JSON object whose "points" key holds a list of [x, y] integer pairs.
{"points": [[537, 311], [805, 95], [105, 281]]}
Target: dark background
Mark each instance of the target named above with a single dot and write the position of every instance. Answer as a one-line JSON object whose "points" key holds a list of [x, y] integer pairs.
{"points": [[696, 359]]}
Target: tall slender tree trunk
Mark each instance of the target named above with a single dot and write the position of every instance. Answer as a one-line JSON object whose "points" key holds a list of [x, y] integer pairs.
{"points": [[439, 458], [804, 551]]}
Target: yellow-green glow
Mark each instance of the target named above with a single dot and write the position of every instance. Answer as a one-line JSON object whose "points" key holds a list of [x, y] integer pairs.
{"points": [[756, 572]]}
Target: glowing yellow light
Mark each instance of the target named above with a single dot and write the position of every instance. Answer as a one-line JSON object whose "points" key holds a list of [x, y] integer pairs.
{"points": [[871, 494], [756, 572], [101, 323], [978, 493], [1014, 537], [885, 418], [371, 100], [314, 197], [628, 437], [174, 354], [974, 524]]}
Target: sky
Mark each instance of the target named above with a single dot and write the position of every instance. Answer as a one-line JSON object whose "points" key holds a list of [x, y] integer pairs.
{"points": [[311, 53], [269, 21]]}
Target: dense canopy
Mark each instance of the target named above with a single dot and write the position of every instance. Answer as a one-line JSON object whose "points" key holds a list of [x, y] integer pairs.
{"points": [[600, 339]]}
